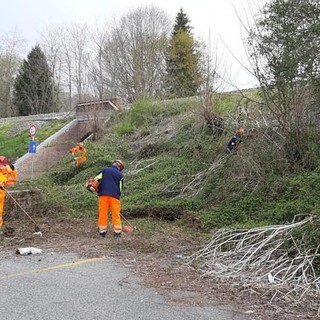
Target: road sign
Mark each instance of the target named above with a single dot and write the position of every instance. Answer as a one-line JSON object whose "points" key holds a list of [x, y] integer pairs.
{"points": [[32, 147], [32, 130]]}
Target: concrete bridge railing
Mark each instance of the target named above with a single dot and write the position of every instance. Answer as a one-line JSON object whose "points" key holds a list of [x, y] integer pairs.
{"points": [[86, 119]]}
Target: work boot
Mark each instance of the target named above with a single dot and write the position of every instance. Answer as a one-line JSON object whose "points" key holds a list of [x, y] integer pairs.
{"points": [[103, 234], [8, 232], [117, 235]]}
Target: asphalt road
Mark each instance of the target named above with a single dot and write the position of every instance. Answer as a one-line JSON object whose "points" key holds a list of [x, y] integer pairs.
{"points": [[54, 286]]}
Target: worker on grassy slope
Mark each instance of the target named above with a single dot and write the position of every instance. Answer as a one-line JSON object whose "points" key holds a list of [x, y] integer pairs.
{"points": [[8, 176], [234, 142], [109, 193], [79, 153]]}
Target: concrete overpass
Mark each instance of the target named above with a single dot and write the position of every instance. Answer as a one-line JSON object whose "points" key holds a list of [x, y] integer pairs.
{"points": [[86, 120]]}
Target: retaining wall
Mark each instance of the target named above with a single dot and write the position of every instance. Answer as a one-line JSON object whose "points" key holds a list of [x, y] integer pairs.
{"points": [[50, 151]]}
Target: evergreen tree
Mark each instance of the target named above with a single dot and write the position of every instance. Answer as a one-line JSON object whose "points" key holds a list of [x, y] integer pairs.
{"points": [[183, 60], [34, 87], [182, 23]]}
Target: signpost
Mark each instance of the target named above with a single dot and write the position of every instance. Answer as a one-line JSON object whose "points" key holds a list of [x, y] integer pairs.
{"points": [[32, 144], [32, 147], [32, 131]]}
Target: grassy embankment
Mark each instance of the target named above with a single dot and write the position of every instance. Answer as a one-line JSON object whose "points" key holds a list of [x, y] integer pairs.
{"points": [[176, 170], [14, 136]]}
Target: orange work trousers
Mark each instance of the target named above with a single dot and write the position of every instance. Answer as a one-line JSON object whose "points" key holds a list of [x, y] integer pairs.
{"points": [[2, 201], [107, 203]]}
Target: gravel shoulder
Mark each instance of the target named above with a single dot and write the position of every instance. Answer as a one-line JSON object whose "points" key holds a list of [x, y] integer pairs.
{"points": [[158, 261]]}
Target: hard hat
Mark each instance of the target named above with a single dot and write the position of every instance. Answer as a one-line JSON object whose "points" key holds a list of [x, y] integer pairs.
{"points": [[4, 160], [120, 164], [80, 144], [240, 130]]}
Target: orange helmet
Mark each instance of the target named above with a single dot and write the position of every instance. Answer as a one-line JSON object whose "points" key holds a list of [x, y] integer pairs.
{"points": [[4, 160], [240, 131], [120, 164]]}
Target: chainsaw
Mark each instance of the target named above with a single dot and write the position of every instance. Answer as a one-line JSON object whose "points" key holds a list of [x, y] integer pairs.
{"points": [[92, 185]]}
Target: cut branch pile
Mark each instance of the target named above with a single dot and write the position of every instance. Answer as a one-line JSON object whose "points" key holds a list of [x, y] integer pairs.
{"points": [[272, 255]]}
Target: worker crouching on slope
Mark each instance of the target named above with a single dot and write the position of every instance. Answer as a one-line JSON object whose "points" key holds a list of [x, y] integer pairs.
{"points": [[79, 153], [109, 193], [8, 176], [234, 142]]}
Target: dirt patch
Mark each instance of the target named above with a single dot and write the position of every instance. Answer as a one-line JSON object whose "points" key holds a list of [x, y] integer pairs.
{"points": [[158, 261]]}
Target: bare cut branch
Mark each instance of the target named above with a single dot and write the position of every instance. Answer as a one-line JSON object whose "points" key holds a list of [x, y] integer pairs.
{"points": [[269, 255], [194, 186], [136, 171]]}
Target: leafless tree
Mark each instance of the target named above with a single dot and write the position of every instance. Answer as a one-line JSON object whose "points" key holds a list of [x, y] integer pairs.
{"points": [[97, 71], [77, 57], [211, 88], [133, 53], [52, 44], [10, 46], [70, 53], [283, 47]]}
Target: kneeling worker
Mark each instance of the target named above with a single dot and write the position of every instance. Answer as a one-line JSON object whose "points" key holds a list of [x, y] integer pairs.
{"points": [[79, 153], [234, 142]]}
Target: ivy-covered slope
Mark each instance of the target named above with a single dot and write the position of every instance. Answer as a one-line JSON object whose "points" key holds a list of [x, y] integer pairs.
{"points": [[177, 168]]}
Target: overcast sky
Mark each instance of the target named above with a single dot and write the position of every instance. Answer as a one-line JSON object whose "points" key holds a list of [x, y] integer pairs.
{"points": [[211, 19]]}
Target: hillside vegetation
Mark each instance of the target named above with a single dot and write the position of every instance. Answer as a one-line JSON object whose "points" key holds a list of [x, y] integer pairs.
{"points": [[177, 169], [229, 217]]}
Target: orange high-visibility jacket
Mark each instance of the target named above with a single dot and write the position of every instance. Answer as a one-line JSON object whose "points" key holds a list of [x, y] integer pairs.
{"points": [[8, 175], [79, 153]]}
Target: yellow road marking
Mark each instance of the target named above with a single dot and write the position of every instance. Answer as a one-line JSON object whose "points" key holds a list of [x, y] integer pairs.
{"points": [[60, 266]]}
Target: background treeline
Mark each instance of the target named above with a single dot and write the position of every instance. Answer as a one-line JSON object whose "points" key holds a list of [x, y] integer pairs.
{"points": [[137, 56], [143, 54]]}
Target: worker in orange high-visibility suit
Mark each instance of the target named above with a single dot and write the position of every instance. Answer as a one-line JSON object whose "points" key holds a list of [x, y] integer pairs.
{"points": [[79, 153], [8, 176], [109, 193]]}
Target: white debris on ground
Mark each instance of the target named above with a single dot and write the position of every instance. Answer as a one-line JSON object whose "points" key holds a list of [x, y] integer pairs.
{"points": [[28, 250]]}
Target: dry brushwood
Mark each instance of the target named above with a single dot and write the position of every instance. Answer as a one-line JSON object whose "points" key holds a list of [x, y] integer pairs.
{"points": [[196, 184], [138, 166], [264, 255]]}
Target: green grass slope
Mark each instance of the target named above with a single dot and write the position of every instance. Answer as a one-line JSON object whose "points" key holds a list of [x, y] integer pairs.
{"points": [[14, 135], [176, 169]]}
